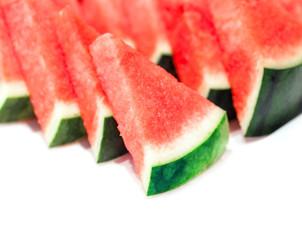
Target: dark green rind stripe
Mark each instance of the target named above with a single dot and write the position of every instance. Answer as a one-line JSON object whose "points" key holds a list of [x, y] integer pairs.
{"points": [[223, 99], [112, 145], [279, 100], [176, 173], [69, 130], [166, 62], [16, 109]]}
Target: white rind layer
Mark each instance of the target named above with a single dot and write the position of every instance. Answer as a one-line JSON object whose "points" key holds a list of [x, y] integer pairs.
{"points": [[102, 112], [193, 135], [286, 62], [217, 81], [13, 89], [129, 42], [61, 111]]}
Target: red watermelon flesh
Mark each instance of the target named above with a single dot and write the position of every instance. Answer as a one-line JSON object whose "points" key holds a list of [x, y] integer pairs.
{"points": [[142, 23], [74, 4], [294, 7], [75, 37], [104, 16], [10, 67], [34, 37], [283, 34], [135, 21], [152, 109], [196, 51]]}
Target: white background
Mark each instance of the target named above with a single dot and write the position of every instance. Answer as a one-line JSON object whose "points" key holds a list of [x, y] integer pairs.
{"points": [[253, 192]]}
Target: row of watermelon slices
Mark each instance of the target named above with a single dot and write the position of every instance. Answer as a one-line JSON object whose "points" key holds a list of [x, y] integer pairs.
{"points": [[247, 52], [72, 74]]}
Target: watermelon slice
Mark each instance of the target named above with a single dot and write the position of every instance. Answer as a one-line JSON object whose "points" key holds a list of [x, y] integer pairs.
{"points": [[14, 98], [171, 131], [34, 38], [75, 38], [262, 46], [196, 50]]}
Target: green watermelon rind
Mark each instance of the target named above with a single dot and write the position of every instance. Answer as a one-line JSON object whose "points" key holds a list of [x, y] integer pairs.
{"points": [[173, 174], [68, 131], [223, 99], [166, 62], [112, 145], [279, 100], [16, 109]]}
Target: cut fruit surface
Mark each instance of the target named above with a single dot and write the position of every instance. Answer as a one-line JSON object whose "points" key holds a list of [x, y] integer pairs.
{"points": [[197, 54], [14, 97], [143, 24], [75, 37], [137, 22], [74, 4], [34, 38], [170, 130], [262, 46]]}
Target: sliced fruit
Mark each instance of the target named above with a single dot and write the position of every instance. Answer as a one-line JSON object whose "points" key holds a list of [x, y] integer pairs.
{"points": [[75, 37], [171, 131], [34, 38], [262, 46], [14, 97], [196, 50]]}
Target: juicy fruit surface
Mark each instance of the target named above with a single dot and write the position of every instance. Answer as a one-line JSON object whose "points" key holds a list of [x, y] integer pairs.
{"points": [[104, 16], [276, 33], [142, 23], [42, 61], [10, 67], [150, 106], [134, 21]]}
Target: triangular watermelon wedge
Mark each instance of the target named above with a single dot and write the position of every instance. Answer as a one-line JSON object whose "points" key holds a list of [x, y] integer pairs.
{"points": [[197, 54], [14, 97], [262, 46], [171, 131], [34, 38], [75, 37]]}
